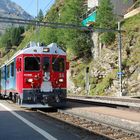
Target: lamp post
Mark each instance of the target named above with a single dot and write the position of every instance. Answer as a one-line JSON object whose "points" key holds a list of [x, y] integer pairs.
{"points": [[120, 58], [37, 26]]}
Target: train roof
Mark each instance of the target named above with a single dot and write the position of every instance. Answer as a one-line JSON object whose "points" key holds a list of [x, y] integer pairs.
{"points": [[33, 48]]}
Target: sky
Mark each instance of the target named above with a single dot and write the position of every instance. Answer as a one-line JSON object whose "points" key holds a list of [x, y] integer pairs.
{"points": [[30, 6]]}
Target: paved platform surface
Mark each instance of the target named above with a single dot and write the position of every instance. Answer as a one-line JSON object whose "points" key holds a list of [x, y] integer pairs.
{"points": [[129, 120], [19, 124], [126, 101]]}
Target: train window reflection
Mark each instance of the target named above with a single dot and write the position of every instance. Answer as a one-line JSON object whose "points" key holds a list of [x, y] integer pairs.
{"points": [[12, 69], [58, 64], [8, 71], [32, 63]]}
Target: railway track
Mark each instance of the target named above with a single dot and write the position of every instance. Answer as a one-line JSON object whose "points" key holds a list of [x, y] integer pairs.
{"points": [[104, 131], [101, 129]]}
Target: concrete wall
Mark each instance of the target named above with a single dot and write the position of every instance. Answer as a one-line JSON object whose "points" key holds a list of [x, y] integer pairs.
{"points": [[120, 7], [132, 13], [92, 3]]}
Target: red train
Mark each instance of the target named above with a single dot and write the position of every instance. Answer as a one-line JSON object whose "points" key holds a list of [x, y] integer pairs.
{"points": [[36, 75]]}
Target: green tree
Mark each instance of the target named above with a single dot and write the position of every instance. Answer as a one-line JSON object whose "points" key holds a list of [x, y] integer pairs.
{"points": [[106, 19], [16, 35], [40, 15], [79, 42], [6, 39], [12, 37]]}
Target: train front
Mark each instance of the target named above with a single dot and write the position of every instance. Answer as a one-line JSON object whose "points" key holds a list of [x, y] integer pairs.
{"points": [[44, 76]]}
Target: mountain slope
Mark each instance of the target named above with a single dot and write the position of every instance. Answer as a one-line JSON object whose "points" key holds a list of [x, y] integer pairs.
{"points": [[12, 10]]}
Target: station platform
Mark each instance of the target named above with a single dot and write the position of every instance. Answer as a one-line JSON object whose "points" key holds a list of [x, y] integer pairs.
{"points": [[124, 101], [128, 120]]}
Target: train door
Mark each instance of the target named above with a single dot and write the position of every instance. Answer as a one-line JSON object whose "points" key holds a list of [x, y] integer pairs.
{"points": [[46, 85], [3, 80], [10, 78], [19, 75]]}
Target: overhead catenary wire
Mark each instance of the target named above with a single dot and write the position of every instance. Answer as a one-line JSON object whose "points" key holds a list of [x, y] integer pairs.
{"points": [[45, 24], [3, 29], [54, 25], [49, 4]]}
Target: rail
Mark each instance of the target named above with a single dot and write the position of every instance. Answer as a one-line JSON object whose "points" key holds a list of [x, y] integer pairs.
{"points": [[104, 131]]}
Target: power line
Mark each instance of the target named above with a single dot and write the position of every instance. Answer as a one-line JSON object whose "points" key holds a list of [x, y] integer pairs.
{"points": [[3, 29], [45, 24], [47, 6], [55, 25]]}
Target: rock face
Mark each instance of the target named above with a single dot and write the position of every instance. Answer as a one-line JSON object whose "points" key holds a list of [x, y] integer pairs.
{"points": [[103, 73], [12, 10]]}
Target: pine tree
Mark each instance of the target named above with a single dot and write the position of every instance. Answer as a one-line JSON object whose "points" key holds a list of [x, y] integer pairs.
{"points": [[6, 39], [106, 19], [12, 37], [40, 15], [78, 42]]}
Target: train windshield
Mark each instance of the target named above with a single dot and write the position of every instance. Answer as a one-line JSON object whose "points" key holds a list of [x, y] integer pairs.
{"points": [[58, 64], [46, 64], [32, 63]]}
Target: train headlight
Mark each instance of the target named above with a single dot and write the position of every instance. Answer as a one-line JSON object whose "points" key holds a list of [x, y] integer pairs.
{"points": [[61, 80], [30, 80], [46, 49]]}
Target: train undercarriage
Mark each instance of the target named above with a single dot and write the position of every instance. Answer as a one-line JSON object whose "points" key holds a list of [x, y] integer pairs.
{"points": [[35, 98]]}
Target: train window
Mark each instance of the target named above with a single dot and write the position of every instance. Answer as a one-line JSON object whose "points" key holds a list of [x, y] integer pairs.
{"points": [[3, 72], [58, 64], [12, 69], [32, 63], [46, 64], [8, 71]]}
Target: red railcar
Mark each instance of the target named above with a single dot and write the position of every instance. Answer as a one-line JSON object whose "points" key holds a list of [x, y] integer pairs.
{"points": [[36, 75]]}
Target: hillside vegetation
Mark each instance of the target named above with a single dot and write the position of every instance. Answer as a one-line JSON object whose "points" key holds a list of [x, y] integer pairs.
{"points": [[103, 70], [78, 44], [69, 39]]}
